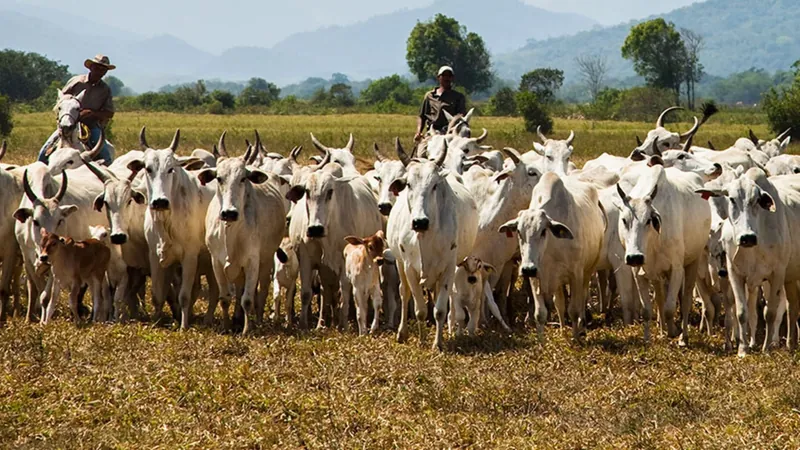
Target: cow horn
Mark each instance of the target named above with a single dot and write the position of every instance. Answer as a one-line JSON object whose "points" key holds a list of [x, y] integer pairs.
{"points": [[62, 189], [26, 185], [296, 152], [638, 141], [258, 142], [482, 137], [377, 152], [693, 130], [97, 147], [656, 151], [753, 136], [3, 148], [542, 137], [780, 137], [687, 146], [350, 143], [711, 145], [223, 150], [571, 137], [440, 159], [215, 151], [322, 163], [143, 140], [175, 140], [660, 120], [97, 172], [401, 154], [513, 154], [322, 149]]}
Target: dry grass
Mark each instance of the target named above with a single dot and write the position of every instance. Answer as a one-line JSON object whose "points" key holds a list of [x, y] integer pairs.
{"points": [[139, 386]]}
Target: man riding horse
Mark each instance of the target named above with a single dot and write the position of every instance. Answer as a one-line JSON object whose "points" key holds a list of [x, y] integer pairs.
{"points": [[96, 107]]}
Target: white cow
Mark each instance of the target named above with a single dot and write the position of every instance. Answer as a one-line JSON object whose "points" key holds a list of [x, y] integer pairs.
{"points": [[560, 237], [244, 227], [468, 287], [456, 148], [10, 195], [774, 147], [67, 157], [386, 171], [669, 140], [555, 153], [664, 228], [783, 165], [431, 228], [343, 156]]}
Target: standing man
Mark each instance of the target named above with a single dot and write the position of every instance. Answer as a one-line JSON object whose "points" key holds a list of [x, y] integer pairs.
{"points": [[97, 107], [439, 99]]}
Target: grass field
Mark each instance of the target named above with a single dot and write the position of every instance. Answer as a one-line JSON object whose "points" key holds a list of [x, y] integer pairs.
{"points": [[140, 386]]}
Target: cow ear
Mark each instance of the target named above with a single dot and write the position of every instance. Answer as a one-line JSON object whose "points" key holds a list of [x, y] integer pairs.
{"points": [[766, 201], [98, 202], [637, 155], [67, 210], [655, 160], [257, 176], [397, 185], [296, 193], [138, 197], [707, 193], [23, 214], [785, 144], [284, 179], [500, 176], [352, 240], [560, 230], [194, 165], [488, 268], [539, 148], [207, 176], [508, 228], [656, 218], [444, 173], [136, 165]]}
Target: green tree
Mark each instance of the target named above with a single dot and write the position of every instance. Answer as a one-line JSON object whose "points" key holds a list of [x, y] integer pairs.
{"points": [[542, 82], [341, 95], [26, 76], [225, 98], [746, 87], [391, 88], [783, 106], [658, 54], [319, 97], [190, 95], [443, 41], [503, 103], [259, 92], [534, 112], [6, 124]]}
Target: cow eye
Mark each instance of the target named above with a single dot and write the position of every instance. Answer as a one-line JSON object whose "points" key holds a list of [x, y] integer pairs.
{"points": [[219, 181], [648, 222], [544, 232], [625, 222], [434, 187], [682, 157], [733, 201], [377, 178], [129, 202], [70, 162], [60, 222], [36, 223], [171, 170], [149, 170], [244, 179], [330, 194], [549, 158], [531, 173]]}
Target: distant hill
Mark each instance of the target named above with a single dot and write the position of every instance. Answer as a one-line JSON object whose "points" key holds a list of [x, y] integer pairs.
{"points": [[739, 34]]}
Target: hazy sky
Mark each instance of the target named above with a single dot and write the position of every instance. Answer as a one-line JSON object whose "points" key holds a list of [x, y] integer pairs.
{"points": [[263, 23]]}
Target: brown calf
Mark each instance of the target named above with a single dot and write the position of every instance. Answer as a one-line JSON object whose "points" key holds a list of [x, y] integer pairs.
{"points": [[363, 258], [75, 263]]}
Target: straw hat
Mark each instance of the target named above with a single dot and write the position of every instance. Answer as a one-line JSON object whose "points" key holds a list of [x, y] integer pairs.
{"points": [[101, 60]]}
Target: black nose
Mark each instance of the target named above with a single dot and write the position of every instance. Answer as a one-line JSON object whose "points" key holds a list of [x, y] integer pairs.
{"points": [[229, 215], [420, 224], [748, 240], [634, 260], [379, 261], [385, 208], [119, 238], [722, 273], [529, 271], [472, 279], [315, 231], [43, 258], [159, 204]]}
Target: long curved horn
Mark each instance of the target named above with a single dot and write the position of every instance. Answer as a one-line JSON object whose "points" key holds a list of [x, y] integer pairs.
{"points": [[401, 154], [571, 137], [513, 154], [481, 138], [97, 172], [322, 163], [253, 155], [175, 140], [660, 120], [322, 149], [223, 150], [143, 140], [295, 152], [687, 146], [377, 152], [258, 142], [215, 152], [655, 149], [638, 141], [693, 130], [63, 189], [97, 147], [3, 149], [26, 185], [350, 143], [753, 136], [542, 137], [440, 159], [780, 137]]}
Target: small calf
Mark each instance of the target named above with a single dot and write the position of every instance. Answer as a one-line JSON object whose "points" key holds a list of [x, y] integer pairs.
{"points": [[363, 260], [468, 292], [287, 268], [74, 264]]}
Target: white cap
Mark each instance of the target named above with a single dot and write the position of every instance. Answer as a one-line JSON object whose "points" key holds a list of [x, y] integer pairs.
{"points": [[444, 69]]}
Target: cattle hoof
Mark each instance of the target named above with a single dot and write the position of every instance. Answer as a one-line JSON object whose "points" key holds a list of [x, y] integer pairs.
{"points": [[683, 342], [438, 346], [742, 351], [402, 337]]}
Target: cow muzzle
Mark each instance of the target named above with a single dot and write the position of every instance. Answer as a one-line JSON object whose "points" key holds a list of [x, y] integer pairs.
{"points": [[420, 224], [748, 240], [44, 259], [159, 204], [723, 273], [529, 271], [315, 231], [385, 208], [229, 215], [472, 279], [634, 260], [119, 238]]}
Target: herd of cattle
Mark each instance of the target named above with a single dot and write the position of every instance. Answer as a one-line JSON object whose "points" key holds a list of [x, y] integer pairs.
{"points": [[452, 219]]}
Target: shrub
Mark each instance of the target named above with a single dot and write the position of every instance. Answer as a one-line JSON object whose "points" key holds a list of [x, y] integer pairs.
{"points": [[783, 108], [503, 103], [533, 112], [643, 103], [6, 124], [605, 106]]}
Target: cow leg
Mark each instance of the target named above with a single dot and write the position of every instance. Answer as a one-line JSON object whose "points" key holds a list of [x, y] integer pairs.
{"points": [[540, 312], [188, 269], [361, 298], [503, 301], [687, 299], [643, 291], [390, 287], [346, 300], [405, 295], [9, 267], [264, 278], [159, 286], [493, 307], [306, 281], [560, 303], [706, 291], [676, 278], [248, 296], [577, 307], [226, 292], [377, 305], [530, 317], [623, 277], [440, 309], [49, 299], [474, 309], [752, 314], [35, 284], [775, 296], [792, 312], [420, 303], [783, 304], [740, 296]]}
